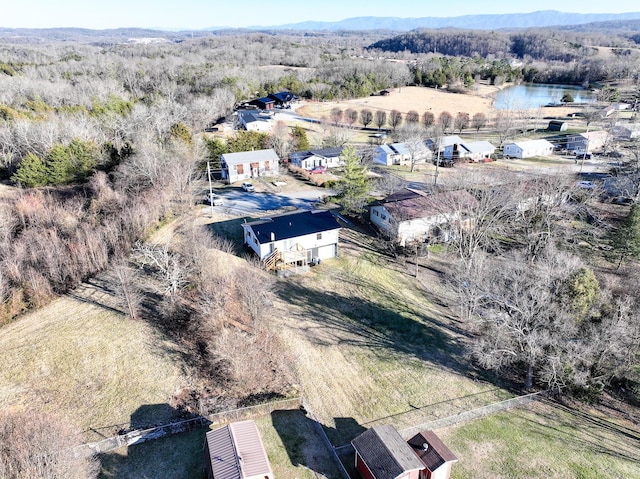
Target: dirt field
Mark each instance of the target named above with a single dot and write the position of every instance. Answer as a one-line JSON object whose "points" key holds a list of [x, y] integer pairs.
{"points": [[421, 100]]}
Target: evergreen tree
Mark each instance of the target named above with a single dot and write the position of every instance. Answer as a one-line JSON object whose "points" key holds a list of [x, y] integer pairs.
{"points": [[353, 187], [31, 172], [247, 141], [300, 138], [215, 147], [83, 158], [59, 166]]}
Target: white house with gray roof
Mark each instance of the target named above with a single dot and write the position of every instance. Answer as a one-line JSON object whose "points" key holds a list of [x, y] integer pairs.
{"points": [[527, 148], [249, 164], [473, 151]]}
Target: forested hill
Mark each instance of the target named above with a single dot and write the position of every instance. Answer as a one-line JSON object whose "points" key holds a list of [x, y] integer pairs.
{"points": [[540, 44], [543, 18]]}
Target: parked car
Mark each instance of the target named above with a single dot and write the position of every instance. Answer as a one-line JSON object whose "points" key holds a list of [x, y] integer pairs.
{"points": [[582, 154], [318, 170], [586, 185], [212, 198], [248, 186]]}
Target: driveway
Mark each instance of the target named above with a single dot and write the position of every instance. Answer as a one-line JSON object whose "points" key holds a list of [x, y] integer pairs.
{"points": [[235, 201]]}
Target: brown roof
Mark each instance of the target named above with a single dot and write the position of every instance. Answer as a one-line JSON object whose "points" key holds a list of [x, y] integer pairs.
{"points": [[385, 453], [236, 452], [414, 206], [435, 454]]}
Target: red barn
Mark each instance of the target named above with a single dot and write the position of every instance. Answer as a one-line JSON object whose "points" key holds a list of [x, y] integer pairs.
{"points": [[436, 457], [381, 453]]}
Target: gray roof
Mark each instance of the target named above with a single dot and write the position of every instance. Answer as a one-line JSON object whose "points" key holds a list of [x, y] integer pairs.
{"points": [[385, 453], [255, 156], [332, 152], [478, 147]]}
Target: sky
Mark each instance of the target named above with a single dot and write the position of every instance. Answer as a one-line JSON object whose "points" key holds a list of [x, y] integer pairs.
{"points": [[200, 14]]}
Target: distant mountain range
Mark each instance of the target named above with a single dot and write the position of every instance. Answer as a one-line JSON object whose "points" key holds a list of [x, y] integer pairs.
{"points": [[543, 18]]}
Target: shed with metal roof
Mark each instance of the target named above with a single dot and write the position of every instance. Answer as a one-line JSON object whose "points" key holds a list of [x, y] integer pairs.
{"points": [[235, 451]]}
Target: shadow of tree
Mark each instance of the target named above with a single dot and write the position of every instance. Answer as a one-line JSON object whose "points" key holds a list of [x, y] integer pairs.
{"points": [[304, 443], [176, 456]]}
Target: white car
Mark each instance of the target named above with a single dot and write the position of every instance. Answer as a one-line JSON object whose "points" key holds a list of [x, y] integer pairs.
{"points": [[585, 185], [248, 187], [212, 198]]}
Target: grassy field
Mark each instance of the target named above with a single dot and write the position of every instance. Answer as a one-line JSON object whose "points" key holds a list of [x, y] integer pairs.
{"points": [[545, 440], [371, 345], [81, 358]]}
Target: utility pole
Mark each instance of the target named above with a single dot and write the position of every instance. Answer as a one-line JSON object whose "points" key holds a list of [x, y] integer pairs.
{"points": [[210, 188]]}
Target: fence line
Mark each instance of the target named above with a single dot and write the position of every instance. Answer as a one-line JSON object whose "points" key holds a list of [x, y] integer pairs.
{"points": [[142, 435], [473, 413], [318, 427]]}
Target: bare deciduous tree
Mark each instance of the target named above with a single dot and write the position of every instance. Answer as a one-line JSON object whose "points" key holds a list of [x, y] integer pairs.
{"points": [[366, 117], [380, 118], [38, 444]]}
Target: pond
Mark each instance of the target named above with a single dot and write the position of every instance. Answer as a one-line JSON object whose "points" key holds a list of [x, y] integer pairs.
{"points": [[534, 95]]}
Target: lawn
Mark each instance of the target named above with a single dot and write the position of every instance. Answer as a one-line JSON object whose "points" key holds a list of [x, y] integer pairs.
{"points": [[370, 347], [82, 359], [545, 440]]}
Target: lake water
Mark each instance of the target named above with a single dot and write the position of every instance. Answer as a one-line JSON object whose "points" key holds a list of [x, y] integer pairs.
{"points": [[531, 96]]}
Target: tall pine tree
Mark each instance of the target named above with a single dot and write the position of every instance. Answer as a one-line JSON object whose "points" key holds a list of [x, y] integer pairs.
{"points": [[354, 185]]}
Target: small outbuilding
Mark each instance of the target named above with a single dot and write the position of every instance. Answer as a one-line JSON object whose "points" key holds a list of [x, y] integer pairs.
{"points": [[235, 451], [434, 454], [557, 125], [381, 453]]}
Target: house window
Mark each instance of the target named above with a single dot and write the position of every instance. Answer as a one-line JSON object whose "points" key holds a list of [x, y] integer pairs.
{"points": [[375, 212], [384, 217], [319, 236]]}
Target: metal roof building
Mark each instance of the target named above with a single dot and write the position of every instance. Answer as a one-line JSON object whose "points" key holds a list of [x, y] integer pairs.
{"points": [[235, 451]]}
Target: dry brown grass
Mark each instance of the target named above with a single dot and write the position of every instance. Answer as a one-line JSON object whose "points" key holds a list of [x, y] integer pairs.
{"points": [[85, 361], [370, 346]]}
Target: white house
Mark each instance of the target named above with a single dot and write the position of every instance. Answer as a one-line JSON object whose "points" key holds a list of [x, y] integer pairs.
{"points": [[294, 239], [249, 164], [327, 157], [441, 143], [399, 154], [393, 154], [527, 149], [590, 141], [615, 108], [629, 131], [252, 120], [412, 215], [474, 151]]}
